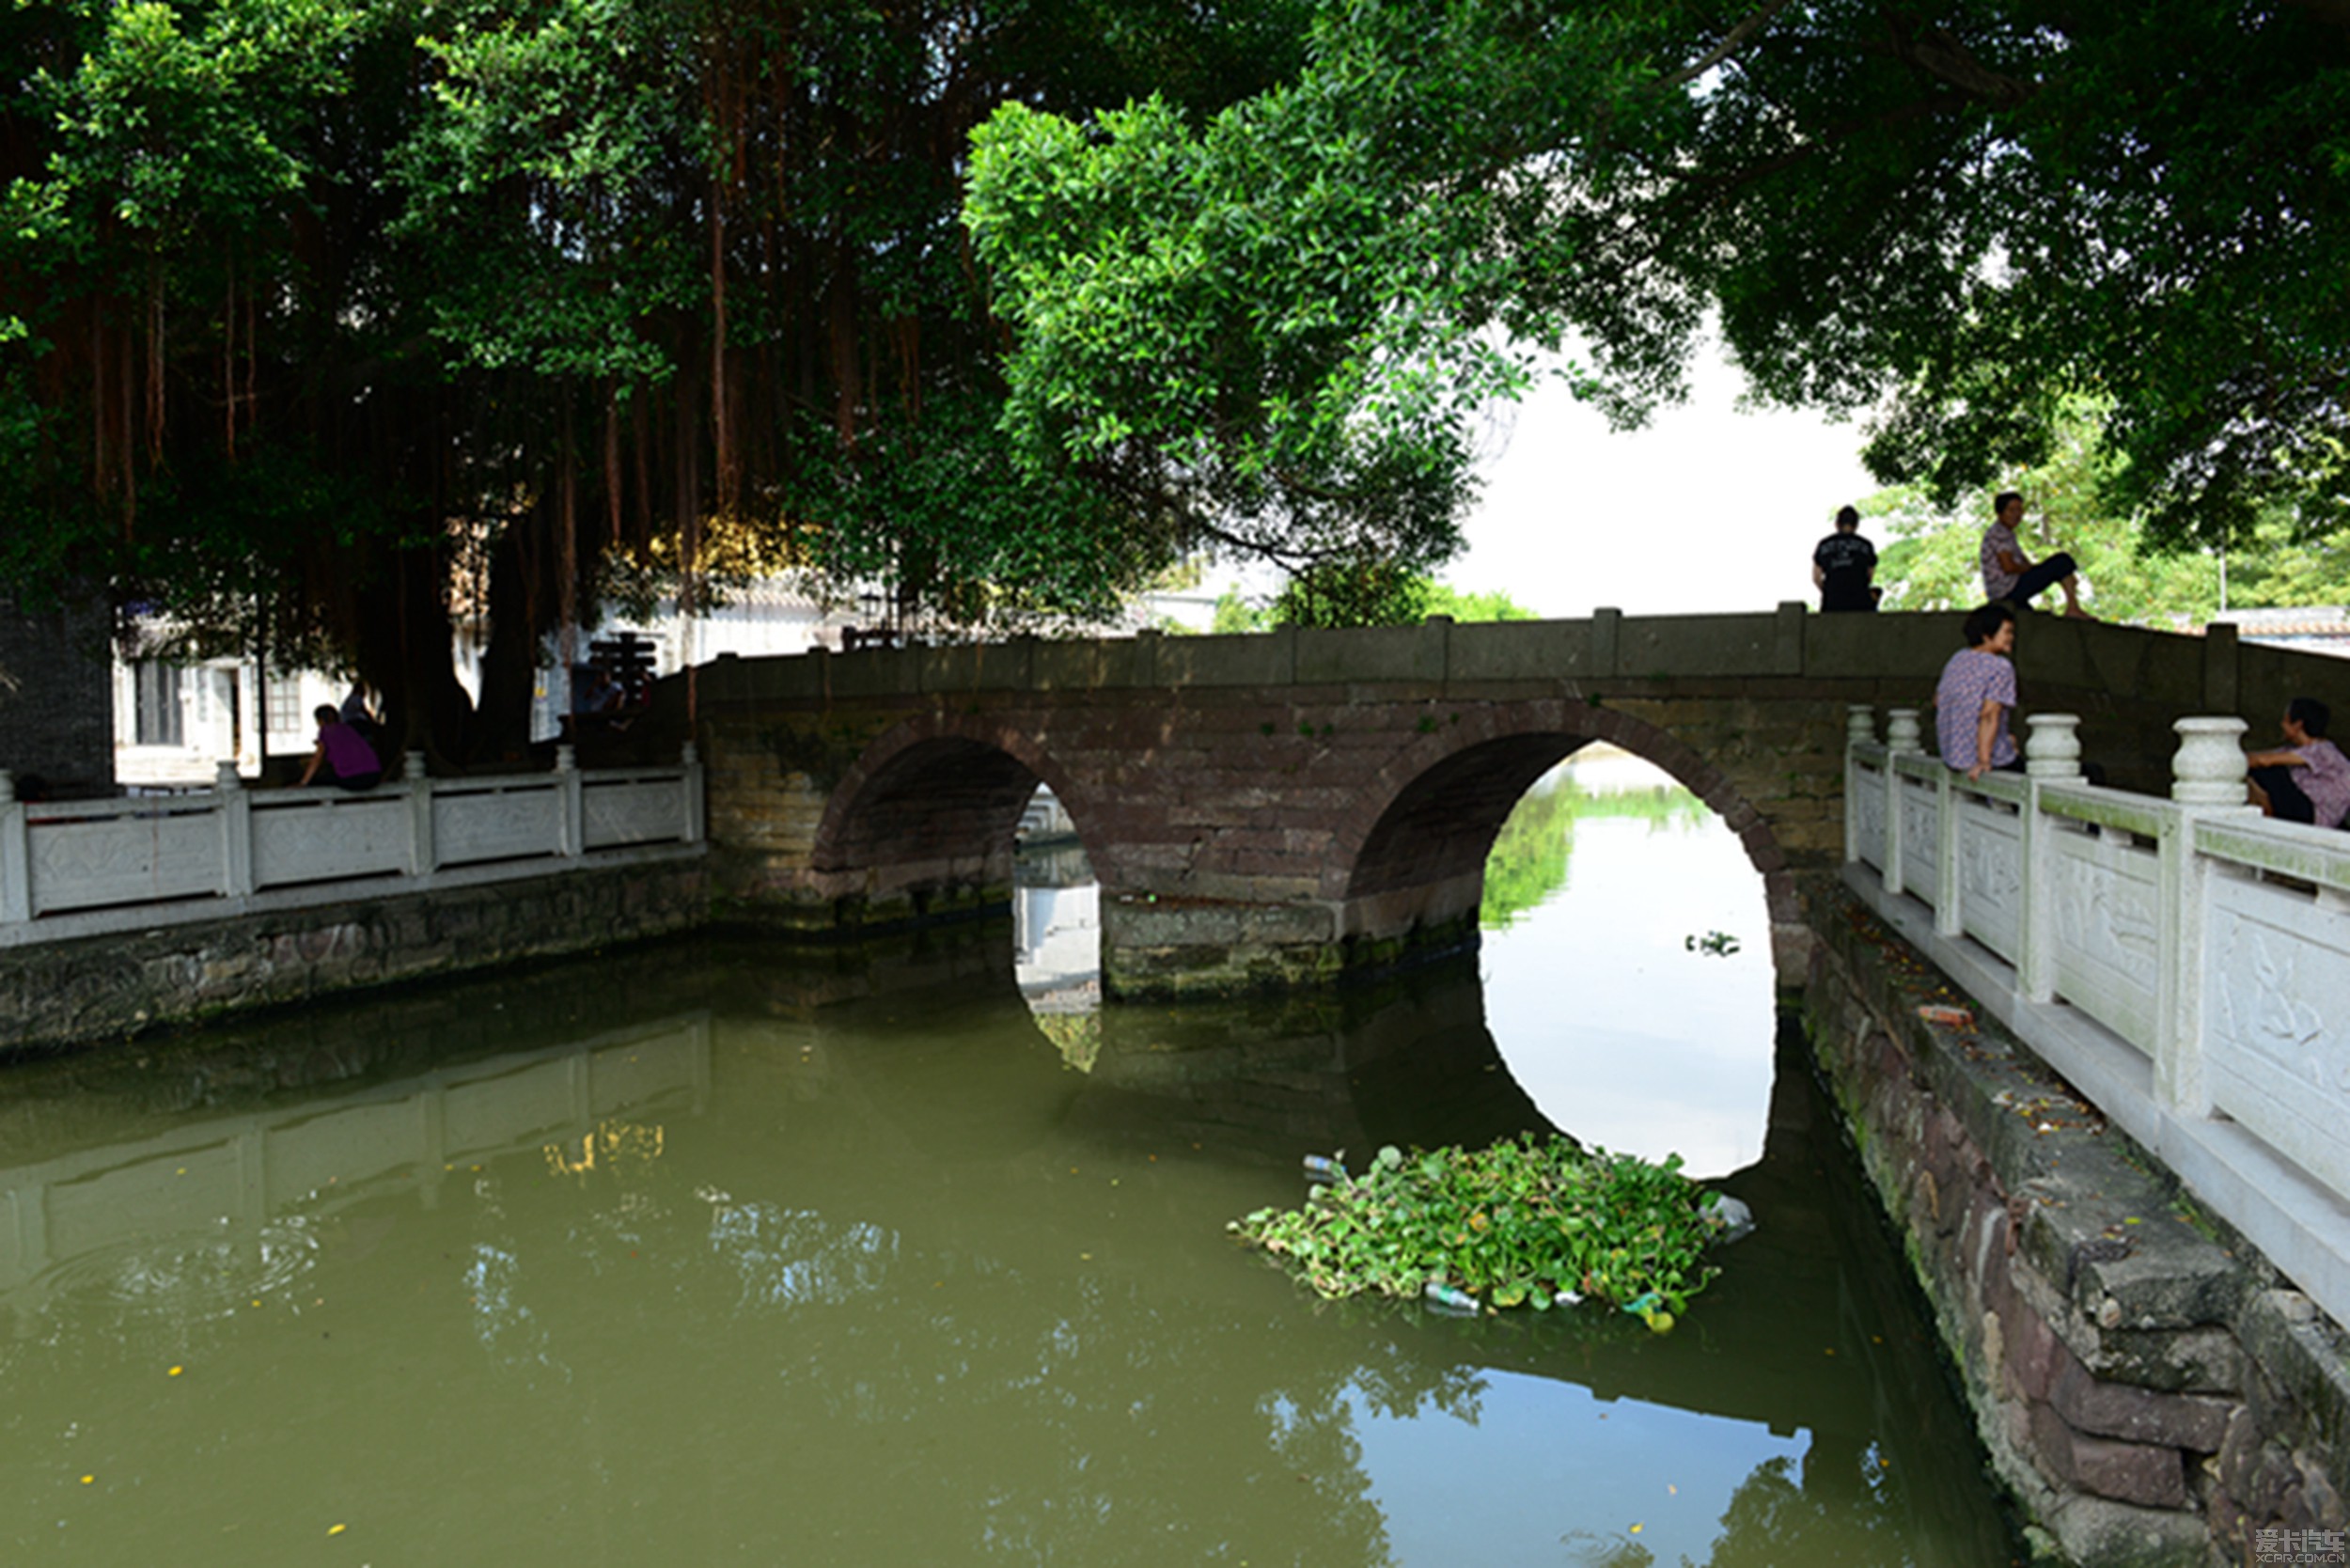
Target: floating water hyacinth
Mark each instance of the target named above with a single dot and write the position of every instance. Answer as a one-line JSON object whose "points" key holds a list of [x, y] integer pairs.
{"points": [[1531, 1221]]}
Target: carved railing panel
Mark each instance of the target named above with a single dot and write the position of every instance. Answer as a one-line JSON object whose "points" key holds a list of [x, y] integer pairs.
{"points": [[325, 838], [1990, 875], [1922, 833], [497, 825], [2277, 1020], [140, 852], [2182, 962], [1867, 806], [2103, 896], [633, 812]]}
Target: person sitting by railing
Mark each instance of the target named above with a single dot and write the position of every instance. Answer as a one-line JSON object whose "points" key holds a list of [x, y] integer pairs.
{"points": [[343, 754], [2307, 780], [1975, 695]]}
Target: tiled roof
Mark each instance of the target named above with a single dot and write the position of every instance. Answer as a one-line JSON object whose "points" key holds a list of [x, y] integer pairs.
{"points": [[2292, 620]]}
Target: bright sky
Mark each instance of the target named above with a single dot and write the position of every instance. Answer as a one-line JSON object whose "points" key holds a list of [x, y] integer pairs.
{"points": [[1706, 510]]}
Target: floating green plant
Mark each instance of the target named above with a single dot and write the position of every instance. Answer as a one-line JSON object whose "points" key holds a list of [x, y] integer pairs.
{"points": [[1532, 1222]]}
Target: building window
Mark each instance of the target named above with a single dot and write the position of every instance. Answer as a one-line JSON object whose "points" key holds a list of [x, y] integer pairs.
{"points": [[284, 704], [156, 703]]}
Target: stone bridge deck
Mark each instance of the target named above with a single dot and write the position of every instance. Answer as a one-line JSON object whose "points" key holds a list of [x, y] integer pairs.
{"points": [[1291, 806]]}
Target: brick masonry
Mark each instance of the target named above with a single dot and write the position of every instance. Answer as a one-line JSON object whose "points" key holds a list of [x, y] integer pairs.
{"points": [[56, 699], [2149, 1387]]}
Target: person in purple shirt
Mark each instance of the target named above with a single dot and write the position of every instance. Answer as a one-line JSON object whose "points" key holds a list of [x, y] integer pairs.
{"points": [[2307, 780], [1975, 695], [343, 754]]}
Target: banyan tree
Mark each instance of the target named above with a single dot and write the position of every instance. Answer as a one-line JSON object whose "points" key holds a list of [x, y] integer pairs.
{"points": [[323, 324]]}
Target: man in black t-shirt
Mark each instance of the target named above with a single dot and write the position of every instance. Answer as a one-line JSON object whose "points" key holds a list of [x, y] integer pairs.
{"points": [[1844, 564]]}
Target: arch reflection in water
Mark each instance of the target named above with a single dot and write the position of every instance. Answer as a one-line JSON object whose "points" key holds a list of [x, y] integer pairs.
{"points": [[1627, 965], [895, 1284]]}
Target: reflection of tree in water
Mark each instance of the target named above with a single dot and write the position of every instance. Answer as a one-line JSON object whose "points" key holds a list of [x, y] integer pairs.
{"points": [[1831, 1517], [1529, 857], [1077, 1036]]}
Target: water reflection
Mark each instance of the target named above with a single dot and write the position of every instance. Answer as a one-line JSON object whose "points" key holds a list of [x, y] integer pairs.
{"points": [[1627, 965], [701, 1256]]}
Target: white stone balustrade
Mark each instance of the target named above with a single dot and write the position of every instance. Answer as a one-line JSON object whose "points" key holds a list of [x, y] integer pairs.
{"points": [[75, 868], [2185, 963]]}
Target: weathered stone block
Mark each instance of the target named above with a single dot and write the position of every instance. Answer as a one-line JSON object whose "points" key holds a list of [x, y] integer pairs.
{"points": [[2139, 1473], [2089, 1404]]}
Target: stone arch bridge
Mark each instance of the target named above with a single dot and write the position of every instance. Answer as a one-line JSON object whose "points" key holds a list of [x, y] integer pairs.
{"points": [[1295, 806]]}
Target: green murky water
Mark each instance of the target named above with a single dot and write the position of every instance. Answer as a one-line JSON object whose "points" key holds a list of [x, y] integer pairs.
{"points": [[702, 1255]]}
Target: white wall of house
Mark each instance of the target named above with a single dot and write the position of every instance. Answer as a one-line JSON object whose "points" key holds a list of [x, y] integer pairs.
{"points": [[174, 724]]}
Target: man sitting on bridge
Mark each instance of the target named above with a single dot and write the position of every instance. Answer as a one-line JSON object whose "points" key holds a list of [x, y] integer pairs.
{"points": [[2307, 780], [1977, 690], [2011, 576]]}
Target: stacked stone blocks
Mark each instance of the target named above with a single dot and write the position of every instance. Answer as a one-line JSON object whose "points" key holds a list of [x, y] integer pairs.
{"points": [[2152, 1389]]}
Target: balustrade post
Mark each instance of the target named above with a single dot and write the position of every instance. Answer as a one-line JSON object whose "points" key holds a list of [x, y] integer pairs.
{"points": [[16, 866], [697, 825], [573, 843], [2052, 754], [1901, 739], [1949, 916], [421, 853], [1860, 728], [2207, 779], [236, 827]]}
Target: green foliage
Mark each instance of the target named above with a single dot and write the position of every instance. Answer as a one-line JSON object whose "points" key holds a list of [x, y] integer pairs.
{"points": [[1533, 1222], [1342, 594], [1351, 591], [1932, 560], [1467, 608], [1961, 214], [1530, 855], [1268, 324], [1235, 615], [484, 291]]}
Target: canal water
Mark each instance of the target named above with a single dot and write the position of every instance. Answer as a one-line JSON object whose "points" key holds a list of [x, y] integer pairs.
{"points": [[703, 1253]]}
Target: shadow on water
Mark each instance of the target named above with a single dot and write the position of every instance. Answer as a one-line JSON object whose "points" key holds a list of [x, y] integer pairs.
{"points": [[717, 1254]]}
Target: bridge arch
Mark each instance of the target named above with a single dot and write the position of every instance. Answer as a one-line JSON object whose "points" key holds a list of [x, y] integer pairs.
{"points": [[923, 817], [1414, 849]]}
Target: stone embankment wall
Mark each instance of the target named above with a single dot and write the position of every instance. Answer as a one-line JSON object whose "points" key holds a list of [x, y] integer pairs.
{"points": [[2150, 1389], [61, 995]]}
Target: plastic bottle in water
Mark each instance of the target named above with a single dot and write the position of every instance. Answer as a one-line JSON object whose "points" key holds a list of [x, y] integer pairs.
{"points": [[1450, 1298], [1324, 1168]]}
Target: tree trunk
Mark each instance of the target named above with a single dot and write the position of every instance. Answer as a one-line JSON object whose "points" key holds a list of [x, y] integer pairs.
{"points": [[407, 651], [509, 665]]}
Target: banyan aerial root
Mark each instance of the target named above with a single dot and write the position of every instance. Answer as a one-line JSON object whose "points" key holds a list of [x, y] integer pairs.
{"points": [[1533, 1221]]}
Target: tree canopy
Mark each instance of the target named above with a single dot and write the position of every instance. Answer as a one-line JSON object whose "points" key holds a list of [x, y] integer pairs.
{"points": [[323, 321], [1931, 560], [1950, 216]]}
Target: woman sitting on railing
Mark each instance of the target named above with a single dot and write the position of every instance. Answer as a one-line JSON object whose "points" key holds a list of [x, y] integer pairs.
{"points": [[1975, 695], [2307, 780], [343, 754]]}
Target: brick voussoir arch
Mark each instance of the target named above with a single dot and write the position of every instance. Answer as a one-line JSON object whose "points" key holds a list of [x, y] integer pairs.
{"points": [[1564, 717], [872, 766]]}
